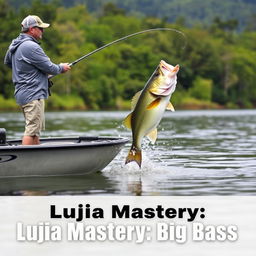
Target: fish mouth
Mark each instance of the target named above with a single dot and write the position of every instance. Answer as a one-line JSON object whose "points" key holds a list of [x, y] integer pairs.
{"points": [[165, 66], [166, 89], [169, 81], [176, 69], [169, 69]]}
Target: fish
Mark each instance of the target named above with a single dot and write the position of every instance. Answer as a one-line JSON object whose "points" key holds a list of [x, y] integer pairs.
{"points": [[148, 107]]}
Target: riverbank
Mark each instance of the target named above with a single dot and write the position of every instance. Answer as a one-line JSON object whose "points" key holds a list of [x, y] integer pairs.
{"points": [[75, 103]]}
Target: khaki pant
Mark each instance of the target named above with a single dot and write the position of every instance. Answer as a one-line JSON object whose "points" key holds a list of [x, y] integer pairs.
{"points": [[34, 117]]}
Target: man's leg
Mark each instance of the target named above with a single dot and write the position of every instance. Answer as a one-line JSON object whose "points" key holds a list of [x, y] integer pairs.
{"points": [[36, 140], [34, 117], [30, 140]]}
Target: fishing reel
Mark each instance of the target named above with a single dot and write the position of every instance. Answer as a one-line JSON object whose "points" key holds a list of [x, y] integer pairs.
{"points": [[50, 85]]}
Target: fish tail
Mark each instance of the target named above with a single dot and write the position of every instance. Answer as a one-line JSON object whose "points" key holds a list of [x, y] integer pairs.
{"points": [[134, 156]]}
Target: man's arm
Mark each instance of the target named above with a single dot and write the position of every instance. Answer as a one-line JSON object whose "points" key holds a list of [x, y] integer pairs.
{"points": [[40, 60]]}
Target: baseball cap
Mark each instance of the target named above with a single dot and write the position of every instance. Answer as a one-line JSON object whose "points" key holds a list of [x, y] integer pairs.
{"points": [[33, 21]]}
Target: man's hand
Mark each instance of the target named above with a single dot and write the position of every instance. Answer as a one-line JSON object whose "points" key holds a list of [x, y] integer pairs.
{"points": [[65, 67]]}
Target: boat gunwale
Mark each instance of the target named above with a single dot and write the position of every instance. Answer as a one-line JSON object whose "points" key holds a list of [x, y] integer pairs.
{"points": [[79, 142]]}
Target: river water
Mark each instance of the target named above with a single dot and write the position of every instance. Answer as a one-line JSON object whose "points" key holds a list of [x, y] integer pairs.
{"points": [[197, 153]]}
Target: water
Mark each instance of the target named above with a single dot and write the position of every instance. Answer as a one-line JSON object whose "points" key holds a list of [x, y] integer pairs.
{"points": [[197, 153]]}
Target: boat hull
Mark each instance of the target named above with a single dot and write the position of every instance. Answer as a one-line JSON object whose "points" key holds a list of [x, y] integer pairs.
{"points": [[58, 156]]}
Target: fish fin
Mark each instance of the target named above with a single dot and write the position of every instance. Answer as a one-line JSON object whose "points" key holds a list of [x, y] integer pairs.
{"points": [[134, 155], [152, 135], [170, 107], [135, 99], [128, 121], [154, 103]]}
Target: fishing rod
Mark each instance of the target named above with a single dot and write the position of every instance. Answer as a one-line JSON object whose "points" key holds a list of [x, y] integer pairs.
{"points": [[124, 38]]}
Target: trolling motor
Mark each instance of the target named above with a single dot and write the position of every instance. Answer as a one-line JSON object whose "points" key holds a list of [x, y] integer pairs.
{"points": [[2, 136]]}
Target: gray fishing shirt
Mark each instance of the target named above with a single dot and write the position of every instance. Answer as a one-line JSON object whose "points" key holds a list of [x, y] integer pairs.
{"points": [[30, 69]]}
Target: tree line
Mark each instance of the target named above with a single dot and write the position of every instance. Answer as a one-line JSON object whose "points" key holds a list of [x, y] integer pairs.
{"points": [[194, 11], [217, 64]]}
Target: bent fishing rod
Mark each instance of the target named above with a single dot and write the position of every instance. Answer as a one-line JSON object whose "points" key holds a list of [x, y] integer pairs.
{"points": [[124, 38]]}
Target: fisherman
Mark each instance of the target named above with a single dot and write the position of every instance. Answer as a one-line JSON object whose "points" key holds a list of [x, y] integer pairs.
{"points": [[30, 69]]}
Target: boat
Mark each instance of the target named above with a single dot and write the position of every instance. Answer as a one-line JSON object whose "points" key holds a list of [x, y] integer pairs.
{"points": [[57, 156]]}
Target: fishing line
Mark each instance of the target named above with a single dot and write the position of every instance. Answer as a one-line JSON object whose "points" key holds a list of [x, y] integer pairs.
{"points": [[124, 38]]}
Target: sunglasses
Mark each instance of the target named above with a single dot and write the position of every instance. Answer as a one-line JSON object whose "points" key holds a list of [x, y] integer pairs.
{"points": [[40, 29]]}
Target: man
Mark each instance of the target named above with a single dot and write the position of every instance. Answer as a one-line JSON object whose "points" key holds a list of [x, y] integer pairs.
{"points": [[30, 70]]}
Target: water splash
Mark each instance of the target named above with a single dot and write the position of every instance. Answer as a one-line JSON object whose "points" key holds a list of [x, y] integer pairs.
{"points": [[131, 168]]}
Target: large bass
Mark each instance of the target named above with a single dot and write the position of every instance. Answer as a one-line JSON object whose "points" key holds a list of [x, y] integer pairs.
{"points": [[148, 106]]}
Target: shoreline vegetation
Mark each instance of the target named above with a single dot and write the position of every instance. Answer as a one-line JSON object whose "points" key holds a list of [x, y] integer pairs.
{"points": [[75, 103], [217, 65]]}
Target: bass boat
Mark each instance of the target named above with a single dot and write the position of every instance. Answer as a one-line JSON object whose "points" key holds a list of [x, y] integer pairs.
{"points": [[57, 156]]}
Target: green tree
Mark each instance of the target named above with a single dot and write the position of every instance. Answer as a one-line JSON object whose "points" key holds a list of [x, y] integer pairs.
{"points": [[201, 89], [9, 26]]}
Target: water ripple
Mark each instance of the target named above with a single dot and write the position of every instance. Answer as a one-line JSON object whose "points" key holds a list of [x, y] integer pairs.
{"points": [[197, 153]]}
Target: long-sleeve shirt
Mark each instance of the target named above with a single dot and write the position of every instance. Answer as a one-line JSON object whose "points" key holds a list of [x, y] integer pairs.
{"points": [[30, 69]]}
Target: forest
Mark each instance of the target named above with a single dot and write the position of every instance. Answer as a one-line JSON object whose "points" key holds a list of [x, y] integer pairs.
{"points": [[217, 61], [192, 11]]}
